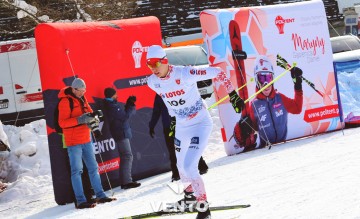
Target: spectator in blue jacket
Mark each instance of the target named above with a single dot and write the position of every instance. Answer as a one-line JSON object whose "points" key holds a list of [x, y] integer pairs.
{"points": [[161, 110], [120, 129]]}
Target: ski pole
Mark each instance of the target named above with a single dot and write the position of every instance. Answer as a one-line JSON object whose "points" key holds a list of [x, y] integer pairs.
{"points": [[227, 96], [102, 161], [312, 85], [284, 64], [271, 82]]}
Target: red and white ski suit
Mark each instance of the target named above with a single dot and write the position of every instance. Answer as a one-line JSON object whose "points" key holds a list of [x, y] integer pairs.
{"points": [[193, 122]]}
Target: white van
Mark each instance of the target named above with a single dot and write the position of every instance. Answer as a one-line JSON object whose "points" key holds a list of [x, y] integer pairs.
{"points": [[21, 99]]}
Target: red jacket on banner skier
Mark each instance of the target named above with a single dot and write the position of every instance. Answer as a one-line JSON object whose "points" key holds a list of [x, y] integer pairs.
{"points": [[177, 86], [269, 110]]}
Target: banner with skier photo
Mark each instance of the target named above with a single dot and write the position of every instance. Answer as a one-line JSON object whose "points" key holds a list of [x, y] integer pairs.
{"points": [[280, 58]]}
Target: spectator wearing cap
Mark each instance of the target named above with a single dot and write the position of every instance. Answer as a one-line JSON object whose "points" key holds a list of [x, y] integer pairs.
{"points": [[78, 141], [119, 117]]}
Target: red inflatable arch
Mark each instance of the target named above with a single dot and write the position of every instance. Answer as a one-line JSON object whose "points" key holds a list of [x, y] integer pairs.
{"points": [[104, 54]]}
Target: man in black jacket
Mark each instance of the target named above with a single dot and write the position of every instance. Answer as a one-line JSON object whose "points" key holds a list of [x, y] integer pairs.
{"points": [[120, 129]]}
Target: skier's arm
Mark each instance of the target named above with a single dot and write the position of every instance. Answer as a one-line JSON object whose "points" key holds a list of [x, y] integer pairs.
{"points": [[193, 74], [156, 112], [293, 106], [235, 99]]}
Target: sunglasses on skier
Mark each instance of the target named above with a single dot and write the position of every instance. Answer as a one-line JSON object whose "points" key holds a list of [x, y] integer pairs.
{"points": [[264, 77], [156, 62]]}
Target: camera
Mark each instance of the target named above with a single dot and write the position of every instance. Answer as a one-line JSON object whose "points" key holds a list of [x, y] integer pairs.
{"points": [[94, 124]]}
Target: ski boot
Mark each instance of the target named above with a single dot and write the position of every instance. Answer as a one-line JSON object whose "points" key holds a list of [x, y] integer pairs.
{"points": [[105, 199], [188, 202], [204, 214], [85, 205]]}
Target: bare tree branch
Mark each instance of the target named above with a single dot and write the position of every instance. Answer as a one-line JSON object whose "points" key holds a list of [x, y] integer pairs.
{"points": [[37, 20], [77, 7]]}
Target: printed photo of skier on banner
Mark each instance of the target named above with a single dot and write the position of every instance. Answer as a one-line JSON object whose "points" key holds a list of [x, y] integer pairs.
{"points": [[288, 55]]}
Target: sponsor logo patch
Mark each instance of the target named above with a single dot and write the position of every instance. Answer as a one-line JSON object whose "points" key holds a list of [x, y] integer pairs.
{"points": [[198, 71], [195, 140], [177, 142]]}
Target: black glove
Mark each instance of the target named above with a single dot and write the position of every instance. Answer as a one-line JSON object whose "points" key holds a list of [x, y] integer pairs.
{"points": [[151, 132], [236, 101], [246, 126], [131, 101], [172, 126], [296, 74]]}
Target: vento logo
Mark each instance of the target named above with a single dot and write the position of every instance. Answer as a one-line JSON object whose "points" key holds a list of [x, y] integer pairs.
{"points": [[280, 23], [137, 51]]}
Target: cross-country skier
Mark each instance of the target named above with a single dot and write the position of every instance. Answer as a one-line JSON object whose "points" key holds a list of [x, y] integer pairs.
{"points": [[269, 110], [177, 86]]}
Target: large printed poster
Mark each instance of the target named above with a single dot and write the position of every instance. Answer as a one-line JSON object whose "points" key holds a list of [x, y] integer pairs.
{"points": [[255, 46]]}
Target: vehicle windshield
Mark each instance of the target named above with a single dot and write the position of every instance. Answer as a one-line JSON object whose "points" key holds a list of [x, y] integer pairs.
{"points": [[345, 44], [187, 56]]}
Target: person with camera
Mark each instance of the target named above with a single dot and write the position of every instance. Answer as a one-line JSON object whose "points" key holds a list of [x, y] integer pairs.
{"points": [[120, 129], [77, 137]]}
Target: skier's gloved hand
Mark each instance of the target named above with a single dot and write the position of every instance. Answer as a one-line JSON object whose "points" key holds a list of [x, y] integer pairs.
{"points": [[172, 127], [296, 74], [236, 101], [85, 118], [151, 132], [246, 126], [131, 101]]}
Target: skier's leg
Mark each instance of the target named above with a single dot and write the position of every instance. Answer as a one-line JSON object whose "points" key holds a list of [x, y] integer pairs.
{"points": [[171, 149], [199, 141], [181, 143], [190, 144]]}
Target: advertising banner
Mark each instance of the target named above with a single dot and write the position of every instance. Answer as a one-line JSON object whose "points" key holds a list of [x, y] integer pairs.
{"points": [[255, 46], [104, 54], [348, 82]]}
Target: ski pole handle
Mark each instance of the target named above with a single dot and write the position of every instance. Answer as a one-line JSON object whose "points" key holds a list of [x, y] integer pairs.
{"points": [[227, 96]]}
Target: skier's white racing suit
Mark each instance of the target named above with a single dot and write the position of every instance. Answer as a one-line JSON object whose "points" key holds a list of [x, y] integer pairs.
{"points": [[193, 122]]}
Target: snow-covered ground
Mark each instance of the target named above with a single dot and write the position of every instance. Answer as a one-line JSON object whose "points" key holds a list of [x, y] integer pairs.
{"points": [[315, 177]]}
